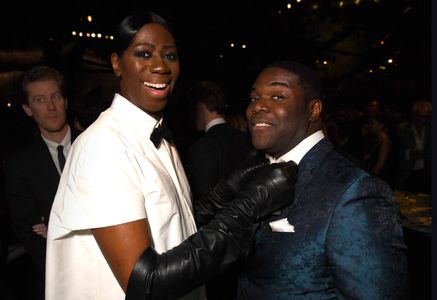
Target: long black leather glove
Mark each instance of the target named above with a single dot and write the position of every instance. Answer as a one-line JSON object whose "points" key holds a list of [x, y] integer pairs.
{"points": [[225, 190], [215, 246]]}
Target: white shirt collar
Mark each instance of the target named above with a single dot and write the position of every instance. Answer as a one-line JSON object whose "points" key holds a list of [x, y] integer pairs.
{"points": [[138, 120], [66, 142], [214, 122], [300, 150]]}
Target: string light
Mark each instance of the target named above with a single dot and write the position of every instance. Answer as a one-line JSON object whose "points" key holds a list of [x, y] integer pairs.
{"points": [[91, 35]]}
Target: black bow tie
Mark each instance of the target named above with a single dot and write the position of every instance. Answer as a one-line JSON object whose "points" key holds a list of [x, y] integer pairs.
{"points": [[160, 133]]}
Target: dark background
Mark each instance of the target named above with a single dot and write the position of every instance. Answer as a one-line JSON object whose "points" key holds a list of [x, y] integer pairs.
{"points": [[354, 37], [346, 34]]}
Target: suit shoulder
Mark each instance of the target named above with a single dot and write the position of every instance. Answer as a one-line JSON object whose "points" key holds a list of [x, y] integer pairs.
{"points": [[340, 168], [343, 160], [205, 143], [27, 151], [351, 173], [101, 138]]}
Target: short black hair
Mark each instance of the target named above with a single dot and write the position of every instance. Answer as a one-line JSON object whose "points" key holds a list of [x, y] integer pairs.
{"points": [[87, 108], [129, 27], [42, 73], [211, 94], [309, 81]]}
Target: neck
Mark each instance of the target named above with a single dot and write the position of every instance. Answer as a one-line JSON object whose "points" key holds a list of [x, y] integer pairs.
{"points": [[209, 116], [55, 136]]}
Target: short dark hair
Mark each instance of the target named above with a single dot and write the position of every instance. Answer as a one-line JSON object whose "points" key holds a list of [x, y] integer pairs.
{"points": [[211, 94], [41, 73], [129, 27], [87, 108], [309, 81]]}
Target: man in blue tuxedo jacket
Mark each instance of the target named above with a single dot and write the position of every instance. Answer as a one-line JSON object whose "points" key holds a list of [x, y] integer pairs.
{"points": [[341, 238]]}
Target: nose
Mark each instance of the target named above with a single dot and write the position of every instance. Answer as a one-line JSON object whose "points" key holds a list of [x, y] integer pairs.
{"points": [[159, 65], [50, 104], [259, 105]]}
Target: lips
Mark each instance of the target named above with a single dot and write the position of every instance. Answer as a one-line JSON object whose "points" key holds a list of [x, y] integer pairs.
{"points": [[158, 89], [158, 86], [261, 123]]}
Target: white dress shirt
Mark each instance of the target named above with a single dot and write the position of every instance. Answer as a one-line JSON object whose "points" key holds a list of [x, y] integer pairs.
{"points": [[297, 153], [113, 175], [53, 147]]}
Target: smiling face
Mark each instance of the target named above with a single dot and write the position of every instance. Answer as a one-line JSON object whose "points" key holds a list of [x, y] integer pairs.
{"points": [[278, 116], [148, 68]]}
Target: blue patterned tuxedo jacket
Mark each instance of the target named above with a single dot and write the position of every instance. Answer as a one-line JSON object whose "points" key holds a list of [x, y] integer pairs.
{"points": [[347, 241]]}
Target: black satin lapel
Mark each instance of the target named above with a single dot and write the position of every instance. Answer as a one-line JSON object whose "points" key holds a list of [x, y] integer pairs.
{"points": [[45, 163]]}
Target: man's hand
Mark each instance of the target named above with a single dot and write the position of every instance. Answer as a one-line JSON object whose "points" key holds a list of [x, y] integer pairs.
{"points": [[40, 229]]}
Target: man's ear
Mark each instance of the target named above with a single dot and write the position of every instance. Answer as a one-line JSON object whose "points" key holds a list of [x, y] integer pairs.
{"points": [[27, 110], [315, 108], [115, 61]]}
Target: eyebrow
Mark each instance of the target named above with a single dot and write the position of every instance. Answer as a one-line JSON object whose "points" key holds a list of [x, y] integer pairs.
{"points": [[274, 83], [58, 91], [278, 83], [154, 46], [170, 47]]}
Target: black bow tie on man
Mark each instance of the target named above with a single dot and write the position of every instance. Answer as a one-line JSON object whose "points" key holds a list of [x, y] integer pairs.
{"points": [[160, 133]]}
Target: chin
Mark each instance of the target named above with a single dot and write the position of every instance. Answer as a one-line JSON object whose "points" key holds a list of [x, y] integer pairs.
{"points": [[259, 145]]}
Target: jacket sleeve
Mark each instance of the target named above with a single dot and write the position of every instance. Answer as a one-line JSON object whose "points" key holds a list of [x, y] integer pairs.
{"points": [[23, 210], [365, 245]]}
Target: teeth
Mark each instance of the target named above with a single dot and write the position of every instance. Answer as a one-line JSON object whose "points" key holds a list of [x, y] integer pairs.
{"points": [[262, 125], [156, 85]]}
